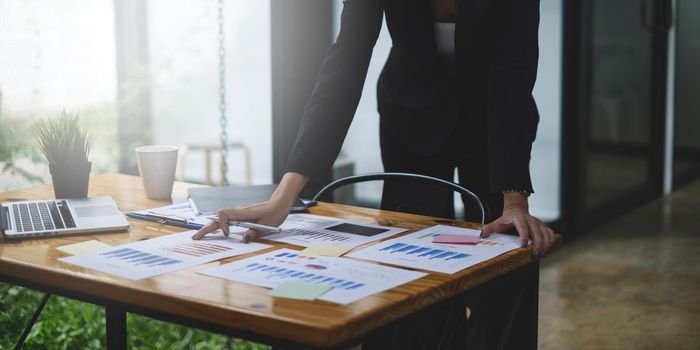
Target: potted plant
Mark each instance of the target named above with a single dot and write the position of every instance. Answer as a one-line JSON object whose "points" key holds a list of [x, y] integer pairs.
{"points": [[66, 146]]}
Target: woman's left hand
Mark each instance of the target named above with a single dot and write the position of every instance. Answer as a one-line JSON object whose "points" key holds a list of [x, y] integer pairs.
{"points": [[516, 216]]}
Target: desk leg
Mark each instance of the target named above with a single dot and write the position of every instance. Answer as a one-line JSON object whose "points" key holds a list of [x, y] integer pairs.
{"points": [[35, 316], [527, 317], [504, 311], [116, 328]]}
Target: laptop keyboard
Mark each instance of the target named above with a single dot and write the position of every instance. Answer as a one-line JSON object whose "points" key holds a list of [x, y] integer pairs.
{"points": [[55, 215], [41, 216]]}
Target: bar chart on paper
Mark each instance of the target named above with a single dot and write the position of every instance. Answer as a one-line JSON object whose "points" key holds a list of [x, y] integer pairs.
{"points": [[351, 280], [160, 255], [318, 236], [307, 230], [417, 250], [424, 252], [137, 257]]}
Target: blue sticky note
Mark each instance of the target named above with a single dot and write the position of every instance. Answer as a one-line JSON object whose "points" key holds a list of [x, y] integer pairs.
{"points": [[299, 290]]}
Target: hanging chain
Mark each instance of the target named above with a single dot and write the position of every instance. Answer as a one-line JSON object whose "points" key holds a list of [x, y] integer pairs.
{"points": [[222, 94]]}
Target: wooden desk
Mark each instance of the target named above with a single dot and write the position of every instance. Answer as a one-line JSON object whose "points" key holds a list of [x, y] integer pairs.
{"points": [[227, 307]]}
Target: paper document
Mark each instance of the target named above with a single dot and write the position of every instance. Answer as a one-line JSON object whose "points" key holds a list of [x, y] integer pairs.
{"points": [[163, 254], [351, 280], [306, 230], [417, 250]]}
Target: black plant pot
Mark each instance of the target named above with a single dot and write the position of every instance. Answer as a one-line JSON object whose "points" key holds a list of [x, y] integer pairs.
{"points": [[70, 180]]}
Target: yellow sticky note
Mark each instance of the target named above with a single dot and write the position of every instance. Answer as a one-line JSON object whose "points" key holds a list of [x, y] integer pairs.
{"points": [[83, 247], [299, 290], [326, 250]]}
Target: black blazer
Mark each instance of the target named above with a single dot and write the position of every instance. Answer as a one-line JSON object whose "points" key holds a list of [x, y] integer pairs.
{"points": [[496, 65]]}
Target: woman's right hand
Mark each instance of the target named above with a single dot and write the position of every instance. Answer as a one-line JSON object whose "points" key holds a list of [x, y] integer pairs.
{"points": [[272, 212]]}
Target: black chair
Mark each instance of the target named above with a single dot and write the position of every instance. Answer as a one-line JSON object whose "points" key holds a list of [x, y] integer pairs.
{"points": [[477, 202]]}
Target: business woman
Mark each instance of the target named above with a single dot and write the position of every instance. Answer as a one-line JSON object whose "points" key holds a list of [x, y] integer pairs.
{"points": [[455, 93]]}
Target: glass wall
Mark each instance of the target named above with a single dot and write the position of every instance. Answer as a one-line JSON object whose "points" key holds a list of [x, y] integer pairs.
{"points": [[183, 52], [545, 166], [618, 144], [687, 104]]}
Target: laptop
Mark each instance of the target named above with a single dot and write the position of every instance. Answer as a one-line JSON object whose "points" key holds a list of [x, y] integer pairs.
{"points": [[60, 217]]}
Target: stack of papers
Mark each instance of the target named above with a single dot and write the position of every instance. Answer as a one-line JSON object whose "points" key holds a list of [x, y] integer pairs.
{"points": [[316, 272]]}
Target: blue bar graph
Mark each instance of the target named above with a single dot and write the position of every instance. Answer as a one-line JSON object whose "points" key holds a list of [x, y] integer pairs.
{"points": [[139, 258], [419, 250], [284, 273], [407, 248], [459, 256], [393, 246], [432, 252], [424, 252]]}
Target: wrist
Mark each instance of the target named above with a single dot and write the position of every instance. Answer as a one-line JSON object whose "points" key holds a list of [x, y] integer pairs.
{"points": [[514, 199], [289, 188]]}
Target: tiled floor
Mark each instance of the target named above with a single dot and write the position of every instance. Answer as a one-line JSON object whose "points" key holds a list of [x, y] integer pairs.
{"points": [[633, 283]]}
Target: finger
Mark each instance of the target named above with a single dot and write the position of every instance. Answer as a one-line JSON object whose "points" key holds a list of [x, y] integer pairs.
{"points": [[546, 239], [537, 237], [223, 221], [499, 225], [249, 236], [550, 237], [523, 231], [205, 229]]}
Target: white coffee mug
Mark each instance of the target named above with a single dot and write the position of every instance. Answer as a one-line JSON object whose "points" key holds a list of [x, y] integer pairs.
{"points": [[157, 168]]}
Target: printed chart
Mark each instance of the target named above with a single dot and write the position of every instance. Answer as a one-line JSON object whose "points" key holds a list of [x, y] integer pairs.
{"points": [[306, 230], [417, 250], [163, 254], [351, 280]]}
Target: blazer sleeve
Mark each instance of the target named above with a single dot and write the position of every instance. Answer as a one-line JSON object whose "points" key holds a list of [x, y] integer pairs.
{"points": [[511, 110], [335, 97]]}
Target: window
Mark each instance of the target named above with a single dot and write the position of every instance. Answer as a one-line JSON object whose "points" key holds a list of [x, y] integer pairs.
{"points": [[55, 55], [183, 53], [68, 55]]}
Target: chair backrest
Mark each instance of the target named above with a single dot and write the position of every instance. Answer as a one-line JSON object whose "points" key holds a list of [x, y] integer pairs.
{"points": [[478, 203]]}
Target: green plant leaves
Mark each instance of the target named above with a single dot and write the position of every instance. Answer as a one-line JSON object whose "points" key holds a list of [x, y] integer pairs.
{"points": [[69, 324], [63, 141]]}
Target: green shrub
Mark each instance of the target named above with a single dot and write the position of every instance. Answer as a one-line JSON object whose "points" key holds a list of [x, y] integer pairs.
{"points": [[69, 324]]}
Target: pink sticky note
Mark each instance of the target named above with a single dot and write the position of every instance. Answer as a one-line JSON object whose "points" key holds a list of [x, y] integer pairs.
{"points": [[456, 239]]}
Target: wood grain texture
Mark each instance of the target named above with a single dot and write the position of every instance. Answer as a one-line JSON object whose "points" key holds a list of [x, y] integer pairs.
{"points": [[231, 304]]}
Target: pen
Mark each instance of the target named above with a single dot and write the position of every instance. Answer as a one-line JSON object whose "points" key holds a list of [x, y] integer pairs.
{"points": [[250, 225], [163, 219]]}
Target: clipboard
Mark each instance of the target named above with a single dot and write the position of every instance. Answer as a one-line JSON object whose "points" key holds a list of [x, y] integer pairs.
{"points": [[165, 220]]}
